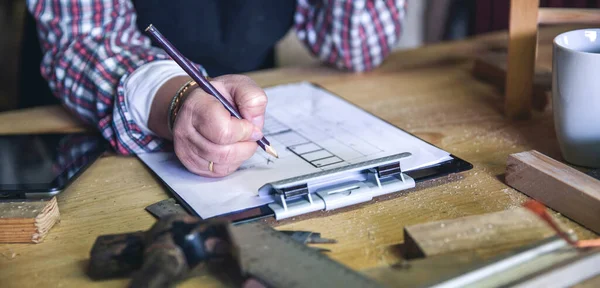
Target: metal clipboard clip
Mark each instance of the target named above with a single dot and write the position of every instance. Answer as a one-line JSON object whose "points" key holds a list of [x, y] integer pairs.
{"points": [[336, 188]]}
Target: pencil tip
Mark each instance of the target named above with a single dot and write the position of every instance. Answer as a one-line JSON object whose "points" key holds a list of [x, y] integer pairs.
{"points": [[271, 151]]}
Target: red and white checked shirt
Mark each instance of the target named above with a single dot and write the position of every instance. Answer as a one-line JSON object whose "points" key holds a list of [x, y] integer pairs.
{"points": [[91, 47]]}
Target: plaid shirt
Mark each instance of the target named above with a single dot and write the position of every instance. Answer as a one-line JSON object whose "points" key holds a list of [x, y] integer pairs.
{"points": [[91, 46]]}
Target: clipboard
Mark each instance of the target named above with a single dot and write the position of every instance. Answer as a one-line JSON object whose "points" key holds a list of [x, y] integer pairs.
{"points": [[338, 188], [412, 180]]}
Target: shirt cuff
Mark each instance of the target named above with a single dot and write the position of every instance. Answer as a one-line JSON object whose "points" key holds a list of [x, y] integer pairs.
{"points": [[141, 87]]}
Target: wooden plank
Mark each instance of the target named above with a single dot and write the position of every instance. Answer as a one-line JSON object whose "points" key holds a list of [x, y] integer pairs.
{"points": [[521, 58], [27, 221], [560, 187], [568, 15], [491, 67], [493, 232]]}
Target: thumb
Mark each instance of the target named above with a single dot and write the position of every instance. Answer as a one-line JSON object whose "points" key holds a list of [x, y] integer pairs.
{"points": [[242, 130]]}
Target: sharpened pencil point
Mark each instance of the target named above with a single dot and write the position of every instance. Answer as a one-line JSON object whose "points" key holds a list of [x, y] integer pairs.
{"points": [[271, 151]]}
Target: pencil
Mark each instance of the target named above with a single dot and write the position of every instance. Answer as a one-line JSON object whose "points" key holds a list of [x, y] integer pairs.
{"points": [[202, 82]]}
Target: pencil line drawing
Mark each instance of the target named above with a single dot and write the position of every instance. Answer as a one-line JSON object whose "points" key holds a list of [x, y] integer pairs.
{"points": [[320, 152]]}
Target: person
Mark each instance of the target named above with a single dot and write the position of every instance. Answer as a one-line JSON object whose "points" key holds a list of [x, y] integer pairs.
{"points": [[103, 68]]}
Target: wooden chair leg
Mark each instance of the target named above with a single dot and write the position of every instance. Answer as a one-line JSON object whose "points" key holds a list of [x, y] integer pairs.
{"points": [[522, 43]]}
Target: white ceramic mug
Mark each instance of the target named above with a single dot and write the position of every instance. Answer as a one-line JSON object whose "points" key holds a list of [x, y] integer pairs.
{"points": [[576, 95]]}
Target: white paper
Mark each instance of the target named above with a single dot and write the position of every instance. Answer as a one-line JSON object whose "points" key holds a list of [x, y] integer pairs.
{"points": [[312, 130]]}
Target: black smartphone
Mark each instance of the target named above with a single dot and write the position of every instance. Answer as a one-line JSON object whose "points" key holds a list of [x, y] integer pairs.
{"points": [[43, 165]]}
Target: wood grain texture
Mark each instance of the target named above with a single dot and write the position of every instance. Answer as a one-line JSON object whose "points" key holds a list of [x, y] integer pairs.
{"points": [[491, 67], [497, 232], [27, 221], [590, 283], [49, 119], [429, 92], [425, 272], [560, 187], [521, 58], [568, 15]]}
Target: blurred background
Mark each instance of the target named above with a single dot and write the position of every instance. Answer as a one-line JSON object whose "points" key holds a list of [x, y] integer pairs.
{"points": [[427, 22]]}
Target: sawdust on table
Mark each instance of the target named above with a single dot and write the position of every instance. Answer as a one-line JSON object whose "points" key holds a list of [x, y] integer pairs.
{"points": [[9, 254]]}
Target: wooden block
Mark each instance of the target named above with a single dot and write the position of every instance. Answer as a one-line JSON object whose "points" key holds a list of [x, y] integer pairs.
{"points": [[492, 233], [491, 67], [558, 186], [568, 15], [522, 40], [27, 221]]}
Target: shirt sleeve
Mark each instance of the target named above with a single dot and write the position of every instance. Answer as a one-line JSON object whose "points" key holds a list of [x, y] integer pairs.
{"points": [[90, 47], [354, 35], [141, 87]]}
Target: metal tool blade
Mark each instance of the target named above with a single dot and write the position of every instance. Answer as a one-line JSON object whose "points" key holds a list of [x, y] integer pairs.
{"points": [[315, 238], [165, 207], [308, 237]]}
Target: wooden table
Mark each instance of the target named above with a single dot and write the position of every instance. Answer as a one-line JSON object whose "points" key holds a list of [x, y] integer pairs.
{"points": [[429, 92]]}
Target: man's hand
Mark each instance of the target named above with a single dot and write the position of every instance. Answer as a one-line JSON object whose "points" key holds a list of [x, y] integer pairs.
{"points": [[205, 131]]}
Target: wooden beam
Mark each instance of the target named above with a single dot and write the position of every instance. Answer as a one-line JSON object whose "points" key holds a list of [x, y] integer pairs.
{"points": [[568, 16], [27, 221], [484, 234], [521, 58], [558, 186]]}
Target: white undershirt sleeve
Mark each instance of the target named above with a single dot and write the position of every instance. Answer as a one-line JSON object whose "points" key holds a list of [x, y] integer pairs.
{"points": [[141, 87]]}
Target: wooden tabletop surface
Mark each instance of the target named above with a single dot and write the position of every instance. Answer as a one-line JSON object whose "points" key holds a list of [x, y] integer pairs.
{"points": [[429, 92]]}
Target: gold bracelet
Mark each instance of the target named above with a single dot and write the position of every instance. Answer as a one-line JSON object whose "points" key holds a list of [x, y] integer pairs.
{"points": [[176, 103]]}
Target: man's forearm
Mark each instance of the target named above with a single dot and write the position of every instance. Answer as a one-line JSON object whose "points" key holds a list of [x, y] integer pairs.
{"points": [[157, 121]]}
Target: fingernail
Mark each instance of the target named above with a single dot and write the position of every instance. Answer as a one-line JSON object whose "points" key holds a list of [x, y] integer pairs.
{"points": [[258, 120], [256, 134]]}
